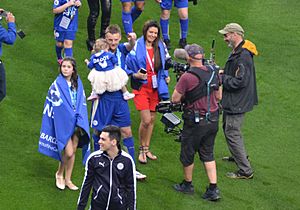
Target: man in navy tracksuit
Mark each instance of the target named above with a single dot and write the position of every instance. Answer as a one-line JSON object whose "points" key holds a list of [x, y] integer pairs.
{"points": [[8, 37], [110, 172]]}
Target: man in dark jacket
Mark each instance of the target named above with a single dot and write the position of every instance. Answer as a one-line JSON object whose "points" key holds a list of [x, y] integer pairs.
{"points": [[239, 95], [8, 37], [110, 173]]}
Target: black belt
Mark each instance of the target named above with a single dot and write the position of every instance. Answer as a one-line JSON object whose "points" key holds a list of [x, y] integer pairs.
{"points": [[195, 115]]}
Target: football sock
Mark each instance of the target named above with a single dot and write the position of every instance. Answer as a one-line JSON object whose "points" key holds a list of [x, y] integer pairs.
{"points": [[184, 25], [164, 24], [212, 186], [129, 144], [187, 183], [58, 52], [135, 13], [127, 22], [69, 52], [96, 139]]}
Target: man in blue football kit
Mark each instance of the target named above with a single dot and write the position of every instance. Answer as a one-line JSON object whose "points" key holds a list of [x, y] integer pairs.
{"points": [[112, 109]]}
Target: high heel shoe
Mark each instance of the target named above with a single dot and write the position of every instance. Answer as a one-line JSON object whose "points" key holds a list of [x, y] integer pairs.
{"points": [[149, 154], [142, 156], [71, 186], [60, 182]]}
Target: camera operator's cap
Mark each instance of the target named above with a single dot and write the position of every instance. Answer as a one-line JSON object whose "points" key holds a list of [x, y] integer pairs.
{"points": [[193, 50], [231, 28]]}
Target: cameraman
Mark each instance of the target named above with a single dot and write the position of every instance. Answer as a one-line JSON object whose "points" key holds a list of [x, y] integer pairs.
{"points": [[199, 130], [8, 37]]}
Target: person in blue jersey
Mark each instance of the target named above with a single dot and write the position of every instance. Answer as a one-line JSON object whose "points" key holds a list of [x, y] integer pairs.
{"points": [[149, 80], [65, 122], [131, 13], [112, 109], [110, 174], [7, 36], [182, 7], [65, 26], [105, 75]]}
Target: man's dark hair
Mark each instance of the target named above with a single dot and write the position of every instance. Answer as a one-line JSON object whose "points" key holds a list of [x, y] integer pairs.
{"points": [[114, 132]]}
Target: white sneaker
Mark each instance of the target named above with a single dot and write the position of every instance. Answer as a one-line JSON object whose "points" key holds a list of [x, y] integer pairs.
{"points": [[128, 96], [140, 176]]}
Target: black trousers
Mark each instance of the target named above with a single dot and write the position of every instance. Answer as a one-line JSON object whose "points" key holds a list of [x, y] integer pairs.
{"points": [[94, 6], [2, 82]]}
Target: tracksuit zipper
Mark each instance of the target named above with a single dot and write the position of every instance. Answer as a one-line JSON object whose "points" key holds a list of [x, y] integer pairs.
{"points": [[110, 183]]}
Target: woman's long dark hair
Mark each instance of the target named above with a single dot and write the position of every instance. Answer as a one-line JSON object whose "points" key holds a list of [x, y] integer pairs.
{"points": [[157, 60], [74, 77]]}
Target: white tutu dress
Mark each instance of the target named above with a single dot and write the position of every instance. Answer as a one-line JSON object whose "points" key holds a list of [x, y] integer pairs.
{"points": [[111, 80]]}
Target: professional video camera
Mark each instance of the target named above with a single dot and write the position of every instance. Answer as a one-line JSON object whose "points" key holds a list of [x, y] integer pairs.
{"points": [[178, 68], [3, 14], [169, 119]]}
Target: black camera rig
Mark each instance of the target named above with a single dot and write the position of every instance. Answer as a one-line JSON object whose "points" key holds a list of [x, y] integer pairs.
{"points": [[178, 68], [169, 119]]}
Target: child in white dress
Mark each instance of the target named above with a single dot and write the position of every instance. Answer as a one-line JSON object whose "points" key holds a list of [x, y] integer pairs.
{"points": [[105, 75]]}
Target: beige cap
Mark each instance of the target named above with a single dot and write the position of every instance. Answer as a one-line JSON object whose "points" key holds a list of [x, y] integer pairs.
{"points": [[232, 27]]}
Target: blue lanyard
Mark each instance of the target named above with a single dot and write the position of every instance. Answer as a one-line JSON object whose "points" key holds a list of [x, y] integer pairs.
{"points": [[73, 94], [119, 54]]}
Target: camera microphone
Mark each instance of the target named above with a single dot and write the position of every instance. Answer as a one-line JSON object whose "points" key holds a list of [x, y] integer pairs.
{"points": [[180, 54]]}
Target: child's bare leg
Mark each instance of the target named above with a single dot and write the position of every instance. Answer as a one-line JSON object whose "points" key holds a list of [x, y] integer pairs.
{"points": [[124, 89]]}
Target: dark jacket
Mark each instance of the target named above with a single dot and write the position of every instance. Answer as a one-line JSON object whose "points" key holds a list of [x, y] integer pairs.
{"points": [[113, 182], [239, 81]]}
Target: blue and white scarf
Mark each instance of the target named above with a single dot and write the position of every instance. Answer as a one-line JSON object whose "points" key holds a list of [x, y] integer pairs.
{"points": [[60, 119]]}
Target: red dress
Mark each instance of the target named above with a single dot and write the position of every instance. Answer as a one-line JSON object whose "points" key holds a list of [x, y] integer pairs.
{"points": [[147, 97]]}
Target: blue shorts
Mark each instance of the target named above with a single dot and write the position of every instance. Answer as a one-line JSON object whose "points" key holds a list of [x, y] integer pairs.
{"points": [[130, 0], [60, 36], [167, 4], [112, 109]]}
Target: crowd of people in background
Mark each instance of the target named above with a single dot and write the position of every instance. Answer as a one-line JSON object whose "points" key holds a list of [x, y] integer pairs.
{"points": [[111, 172]]}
